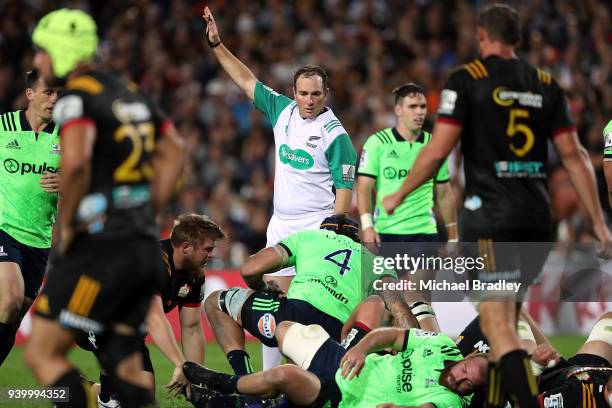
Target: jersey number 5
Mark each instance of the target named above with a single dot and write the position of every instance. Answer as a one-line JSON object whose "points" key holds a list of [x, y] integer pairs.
{"points": [[133, 169], [334, 258], [514, 128]]}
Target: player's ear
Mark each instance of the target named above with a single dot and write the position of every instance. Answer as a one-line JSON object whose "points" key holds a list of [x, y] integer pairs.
{"points": [[29, 94], [397, 108], [186, 248]]}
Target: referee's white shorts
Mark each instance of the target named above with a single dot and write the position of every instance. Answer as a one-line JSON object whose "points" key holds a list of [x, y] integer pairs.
{"points": [[280, 228]]}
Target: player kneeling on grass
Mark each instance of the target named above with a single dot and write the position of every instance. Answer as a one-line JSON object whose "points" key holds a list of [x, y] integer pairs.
{"points": [[428, 371], [332, 278], [185, 255]]}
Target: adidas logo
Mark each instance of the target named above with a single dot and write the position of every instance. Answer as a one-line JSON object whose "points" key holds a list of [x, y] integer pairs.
{"points": [[13, 144], [393, 154]]}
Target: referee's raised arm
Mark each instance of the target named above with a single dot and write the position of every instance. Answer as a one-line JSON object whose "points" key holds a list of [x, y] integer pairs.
{"points": [[240, 73]]}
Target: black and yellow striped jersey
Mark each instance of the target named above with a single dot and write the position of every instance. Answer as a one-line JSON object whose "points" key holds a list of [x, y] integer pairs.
{"points": [[508, 110]]}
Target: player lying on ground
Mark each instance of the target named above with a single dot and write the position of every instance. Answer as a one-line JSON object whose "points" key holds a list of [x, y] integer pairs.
{"points": [[427, 371], [330, 282], [584, 380]]}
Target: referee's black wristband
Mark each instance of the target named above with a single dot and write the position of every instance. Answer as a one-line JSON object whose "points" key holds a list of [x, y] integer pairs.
{"points": [[210, 44]]}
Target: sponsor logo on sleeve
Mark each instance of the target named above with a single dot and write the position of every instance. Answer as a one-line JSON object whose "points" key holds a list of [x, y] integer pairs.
{"points": [[448, 98], [363, 160], [348, 172], [553, 401], [607, 140], [184, 290], [68, 107]]}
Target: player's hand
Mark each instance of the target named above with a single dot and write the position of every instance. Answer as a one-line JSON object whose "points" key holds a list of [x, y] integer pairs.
{"points": [[50, 182], [391, 202], [388, 405], [602, 233], [352, 362], [272, 287], [178, 382], [371, 240], [544, 354], [212, 32]]}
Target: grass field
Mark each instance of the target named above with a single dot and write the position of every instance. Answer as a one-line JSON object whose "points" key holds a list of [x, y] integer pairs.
{"points": [[14, 374]]}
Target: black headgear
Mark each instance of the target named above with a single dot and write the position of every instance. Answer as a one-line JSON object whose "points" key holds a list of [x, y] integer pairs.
{"points": [[343, 225]]}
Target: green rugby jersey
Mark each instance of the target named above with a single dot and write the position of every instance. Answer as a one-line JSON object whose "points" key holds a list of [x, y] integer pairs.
{"points": [[407, 378], [607, 133], [388, 158], [27, 212], [331, 272]]}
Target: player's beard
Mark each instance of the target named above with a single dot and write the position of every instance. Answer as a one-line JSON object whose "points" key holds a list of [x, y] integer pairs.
{"points": [[192, 267], [445, 374]]}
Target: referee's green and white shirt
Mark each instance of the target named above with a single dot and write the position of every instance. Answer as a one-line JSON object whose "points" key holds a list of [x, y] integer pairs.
{"points": [[312, 156], [27, 212], [607, 133], [388, 158]]}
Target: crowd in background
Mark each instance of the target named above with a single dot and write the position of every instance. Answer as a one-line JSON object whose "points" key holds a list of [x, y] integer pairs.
{"points": [[368, 47]]}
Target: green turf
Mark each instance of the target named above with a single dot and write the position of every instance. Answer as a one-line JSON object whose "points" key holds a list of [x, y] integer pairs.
{"points": [[13, 374]]}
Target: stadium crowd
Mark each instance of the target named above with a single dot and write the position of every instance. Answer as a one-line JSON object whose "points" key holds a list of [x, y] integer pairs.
{"points": [[368, 47]]}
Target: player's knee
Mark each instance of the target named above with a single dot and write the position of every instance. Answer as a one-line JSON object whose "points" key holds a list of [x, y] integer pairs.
{"points": [[118, 348], [602, 331], [10, 306], [371, 312], [231, 301], [211, 304], [281, 329], [281, 375]]}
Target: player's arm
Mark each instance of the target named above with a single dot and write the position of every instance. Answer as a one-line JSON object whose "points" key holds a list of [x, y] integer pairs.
{"points": [[343, 201], [240, 73], [576, 161], [78, 138], [396, 305], [445, 136], [445, 201], [192, 337], [265, 261], [161, 332], [376, 340], [365, 186], [167, 165], [341, 156]]}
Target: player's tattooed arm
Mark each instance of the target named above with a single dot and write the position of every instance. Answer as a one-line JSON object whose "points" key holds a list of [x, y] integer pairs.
{"points": [[265, 261], [396, 304]]}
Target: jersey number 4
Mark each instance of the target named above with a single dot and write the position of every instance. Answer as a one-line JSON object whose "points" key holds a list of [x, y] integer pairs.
{"points": [[341, 259], [134, 168]]}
